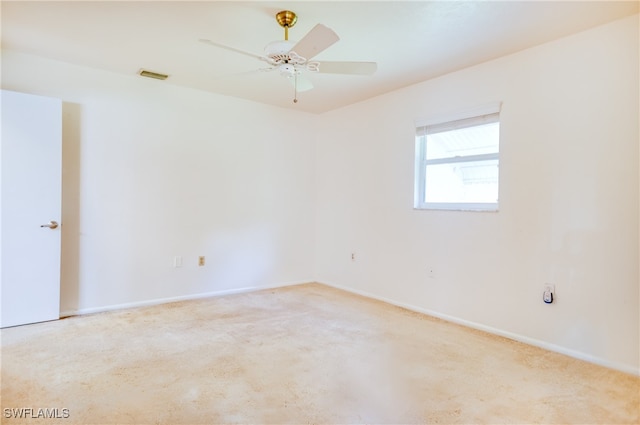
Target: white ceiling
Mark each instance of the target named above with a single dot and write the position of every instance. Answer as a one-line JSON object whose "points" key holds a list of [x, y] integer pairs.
{"points": [[411, 41]]}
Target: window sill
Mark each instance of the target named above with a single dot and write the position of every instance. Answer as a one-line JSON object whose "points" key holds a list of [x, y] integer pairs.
{"points": [[457, 207]]}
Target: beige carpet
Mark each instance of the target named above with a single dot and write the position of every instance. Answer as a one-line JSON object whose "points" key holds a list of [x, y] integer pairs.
{"points": [[302, 354]]}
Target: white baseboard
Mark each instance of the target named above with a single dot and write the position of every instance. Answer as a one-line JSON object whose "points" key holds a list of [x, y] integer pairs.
{"points": [[157, 301], [495, 331]]}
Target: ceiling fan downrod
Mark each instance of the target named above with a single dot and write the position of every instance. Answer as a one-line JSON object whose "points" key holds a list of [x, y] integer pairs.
{"points": [[286, 19]]}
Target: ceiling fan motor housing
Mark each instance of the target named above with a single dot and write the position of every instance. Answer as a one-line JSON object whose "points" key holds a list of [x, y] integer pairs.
{"points": [[279, 54], [278, 49]]}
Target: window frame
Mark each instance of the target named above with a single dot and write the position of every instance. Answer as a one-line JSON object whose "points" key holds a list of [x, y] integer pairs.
{"points": [[479, 116]]}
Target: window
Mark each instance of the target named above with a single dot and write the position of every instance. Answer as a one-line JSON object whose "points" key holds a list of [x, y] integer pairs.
{"points": [[457, 162]]}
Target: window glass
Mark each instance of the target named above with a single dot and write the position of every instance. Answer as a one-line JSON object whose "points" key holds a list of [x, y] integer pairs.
{"points": [[466, 182], [466, 141], [457, 164]]}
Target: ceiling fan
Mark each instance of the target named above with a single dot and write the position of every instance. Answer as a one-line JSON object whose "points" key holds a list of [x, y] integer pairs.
{"points": [[293, 59]]}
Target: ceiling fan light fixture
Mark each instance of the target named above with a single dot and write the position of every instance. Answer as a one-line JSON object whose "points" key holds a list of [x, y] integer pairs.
{"points": [[288, 70]]}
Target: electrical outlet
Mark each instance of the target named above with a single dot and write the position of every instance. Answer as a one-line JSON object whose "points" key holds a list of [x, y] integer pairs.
{"points": [[549, 293], [201, 260], [353, 256]]}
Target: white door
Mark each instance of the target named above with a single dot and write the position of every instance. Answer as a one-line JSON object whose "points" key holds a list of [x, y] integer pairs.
{"points": [[31, 190]]}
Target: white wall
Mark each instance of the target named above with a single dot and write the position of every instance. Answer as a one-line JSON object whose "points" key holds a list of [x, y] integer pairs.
{"points": [[153, 171], [568, 200]]}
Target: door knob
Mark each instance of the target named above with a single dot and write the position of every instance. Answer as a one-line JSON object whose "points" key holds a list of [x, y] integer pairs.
{"points": [[51, 225]]}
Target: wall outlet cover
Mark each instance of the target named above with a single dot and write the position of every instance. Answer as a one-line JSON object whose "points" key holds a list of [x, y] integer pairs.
{"points": [[548, 294]]}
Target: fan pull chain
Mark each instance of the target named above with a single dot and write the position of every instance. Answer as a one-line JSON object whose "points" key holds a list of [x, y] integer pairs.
{"points": [[295, 88]]}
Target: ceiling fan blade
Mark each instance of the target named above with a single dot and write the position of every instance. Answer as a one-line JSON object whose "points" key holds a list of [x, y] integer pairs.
{"points": [[241, 74], [353, 68], [232, 49], [301, 83], [316, 40]]}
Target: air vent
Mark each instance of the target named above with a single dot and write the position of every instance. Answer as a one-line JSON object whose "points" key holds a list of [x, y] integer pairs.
{"points": [[151, 74]]}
